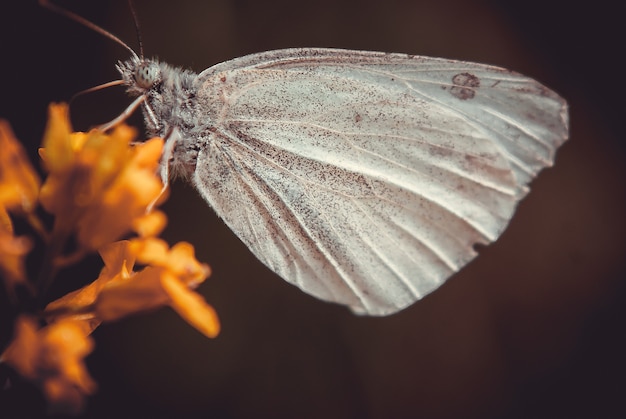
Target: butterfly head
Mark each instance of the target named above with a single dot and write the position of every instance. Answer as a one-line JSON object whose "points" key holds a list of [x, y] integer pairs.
{"points": [[140, 75], [147, 74]]}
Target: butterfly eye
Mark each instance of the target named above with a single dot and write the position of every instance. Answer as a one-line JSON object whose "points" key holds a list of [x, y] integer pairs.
{"points": [[147, 75]]}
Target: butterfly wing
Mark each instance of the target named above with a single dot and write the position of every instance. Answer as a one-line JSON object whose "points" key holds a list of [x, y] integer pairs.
{"points": [[367, 178]]}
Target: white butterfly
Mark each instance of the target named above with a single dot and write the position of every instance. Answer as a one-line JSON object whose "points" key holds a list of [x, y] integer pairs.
{"points": [[363, 178]]}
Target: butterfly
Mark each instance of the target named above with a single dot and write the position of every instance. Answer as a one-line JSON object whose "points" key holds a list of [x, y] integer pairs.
{"points": [[363, 178]]}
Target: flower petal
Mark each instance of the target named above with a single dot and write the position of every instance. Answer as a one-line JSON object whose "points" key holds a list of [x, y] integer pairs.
{"points": [[150, 224], [13, 251], [59, 155], [98, 183], [141, 292], [53, 357], [183, 263], [179, 260], [118, 262], [191, 306], [19, 182], [23, 350], [116, 256]]}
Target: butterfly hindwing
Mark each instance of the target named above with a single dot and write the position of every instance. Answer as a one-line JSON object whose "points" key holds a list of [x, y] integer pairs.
{"points": [[366, 178]]}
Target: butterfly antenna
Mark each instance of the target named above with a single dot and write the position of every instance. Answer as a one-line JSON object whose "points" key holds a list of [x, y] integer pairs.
{"points": [[137, 30], [77, 18], [96, 88]]}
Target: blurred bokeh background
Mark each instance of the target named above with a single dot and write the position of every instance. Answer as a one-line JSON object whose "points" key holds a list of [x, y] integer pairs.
{"points": [[534, 328]]}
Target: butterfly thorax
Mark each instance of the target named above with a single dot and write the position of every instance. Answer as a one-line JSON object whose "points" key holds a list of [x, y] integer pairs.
{"points": [[170, 108]]}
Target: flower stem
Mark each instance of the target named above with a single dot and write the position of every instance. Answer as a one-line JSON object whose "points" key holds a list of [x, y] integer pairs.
{"points": [[37, 225], [48, 270]]}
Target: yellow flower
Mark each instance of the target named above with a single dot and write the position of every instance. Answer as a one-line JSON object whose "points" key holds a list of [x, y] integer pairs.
{"points": [[150, 224], [100, 187], [19, 183], [13, 250], [98, 184], [117, 264], [53, 358], [168, 279], [179, 260], [124, 203]]}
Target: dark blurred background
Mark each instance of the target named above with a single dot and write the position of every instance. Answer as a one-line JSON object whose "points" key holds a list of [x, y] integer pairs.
{"points": [[534, 328]]}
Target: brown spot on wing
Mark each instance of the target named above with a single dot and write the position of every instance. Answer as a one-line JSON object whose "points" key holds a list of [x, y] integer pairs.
{"points": [[464, 86]]}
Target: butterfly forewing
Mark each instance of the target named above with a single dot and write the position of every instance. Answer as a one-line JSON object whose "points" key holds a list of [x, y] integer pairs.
{"points": [[366, 178]]}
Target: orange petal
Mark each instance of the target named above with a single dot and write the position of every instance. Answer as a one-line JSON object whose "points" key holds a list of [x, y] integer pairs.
{"points": [[180, 260], [98, 183], [118, 261], [115, 256], [64, 374], [19, 183], [63, 396], [191, 307], [13, 251], [150, 250], [53, 357], [150, 224], [117, 205], [57, 143], [6, 225], [183, 263], [70, 341], [64, 307], [141, 292], [148, 153], [23, 350]]}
